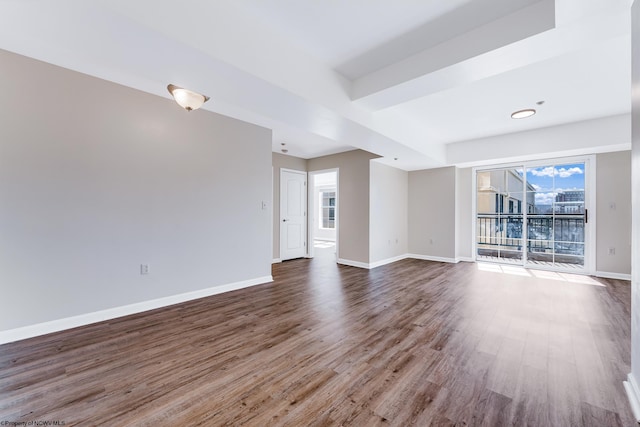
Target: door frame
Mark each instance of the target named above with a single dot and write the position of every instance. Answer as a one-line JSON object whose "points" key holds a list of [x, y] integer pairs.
{"points": [[590, 204], [306, 207], [310, 218]]}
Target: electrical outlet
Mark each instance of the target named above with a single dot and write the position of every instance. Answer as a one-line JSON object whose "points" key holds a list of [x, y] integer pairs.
{"points": [[144, 269]]}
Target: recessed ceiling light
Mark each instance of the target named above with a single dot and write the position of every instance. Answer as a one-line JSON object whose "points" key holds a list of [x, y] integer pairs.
{"points": [[523, 114], [284, 150]]}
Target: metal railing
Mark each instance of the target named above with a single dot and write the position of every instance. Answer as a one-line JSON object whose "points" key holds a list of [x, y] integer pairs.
{"points": [[548, 235]]}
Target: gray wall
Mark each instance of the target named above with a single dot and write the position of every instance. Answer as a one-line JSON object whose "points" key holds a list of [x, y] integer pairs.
{"points": [[464, 211], [97, 178], [432, 213], [281, 161], [613, 212], [389, 212], [635, 263], [353, 201]]}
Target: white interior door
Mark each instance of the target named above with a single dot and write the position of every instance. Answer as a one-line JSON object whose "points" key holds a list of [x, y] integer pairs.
{"points": [[293, 214]]}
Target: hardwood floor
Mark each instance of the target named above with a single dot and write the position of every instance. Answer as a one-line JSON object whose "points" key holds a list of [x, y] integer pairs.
{"points": [[411, 343]]}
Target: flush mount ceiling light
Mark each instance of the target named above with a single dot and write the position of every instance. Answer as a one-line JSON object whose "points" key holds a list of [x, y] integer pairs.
{"points": [[523, 114], [187, 99]]}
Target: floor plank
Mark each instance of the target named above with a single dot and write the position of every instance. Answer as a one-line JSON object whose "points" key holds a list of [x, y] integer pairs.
{"points": [[410, 343]]}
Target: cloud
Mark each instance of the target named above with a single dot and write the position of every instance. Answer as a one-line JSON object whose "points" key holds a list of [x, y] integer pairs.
{"points": [[562, 190], [549, 198], [562, 172], [536, 187], [545, 198], [566, 173], [548, 171]]}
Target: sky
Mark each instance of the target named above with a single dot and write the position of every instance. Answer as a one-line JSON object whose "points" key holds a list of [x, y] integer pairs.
{"points": [[549, 180]]}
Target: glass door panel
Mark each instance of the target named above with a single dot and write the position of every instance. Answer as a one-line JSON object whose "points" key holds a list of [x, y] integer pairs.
{"points": [[532, 216], [512, 217], [555, 222], [499, 222], [540, 194], [539, 238]]}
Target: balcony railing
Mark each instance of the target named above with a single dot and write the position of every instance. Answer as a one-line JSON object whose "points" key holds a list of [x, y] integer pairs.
{"points": [[550, 238]]}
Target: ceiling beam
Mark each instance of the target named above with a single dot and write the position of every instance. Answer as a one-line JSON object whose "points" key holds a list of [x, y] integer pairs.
{"points": [[517, 40]]}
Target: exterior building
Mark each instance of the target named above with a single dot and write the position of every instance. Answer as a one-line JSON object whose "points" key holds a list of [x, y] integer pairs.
{"points": [[570, 202], [501, 203], [501, 191], [554, 233]]}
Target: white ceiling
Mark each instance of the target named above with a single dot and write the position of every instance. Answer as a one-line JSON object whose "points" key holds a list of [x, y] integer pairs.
{"points": [[356, 37], [580, 85], [401, 79]]}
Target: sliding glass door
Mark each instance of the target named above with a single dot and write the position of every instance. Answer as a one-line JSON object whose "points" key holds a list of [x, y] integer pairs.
{"points": [[499, 223], [533, 215], [556, 235]]}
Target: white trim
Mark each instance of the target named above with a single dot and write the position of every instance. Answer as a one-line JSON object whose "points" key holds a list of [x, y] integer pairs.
{"points": [[125, 310], [633, 393], [310, 208], [276, 261], [590, 203], [434, 258], [609, 275], [375, 264], [474, 212], [590, 229], [351, 263], [388, 260], [305, 222], [271, 212]]}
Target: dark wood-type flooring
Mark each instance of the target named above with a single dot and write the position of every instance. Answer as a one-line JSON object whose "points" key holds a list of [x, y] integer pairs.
{"points": [[411, 343]]}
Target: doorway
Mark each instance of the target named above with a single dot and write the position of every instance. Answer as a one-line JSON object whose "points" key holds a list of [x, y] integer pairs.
{"points": [[536, 215], [293, 214], [323, 217]]}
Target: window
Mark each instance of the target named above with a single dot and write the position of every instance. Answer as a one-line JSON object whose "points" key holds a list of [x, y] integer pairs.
{"points": [[328, 209], [552, 229]]}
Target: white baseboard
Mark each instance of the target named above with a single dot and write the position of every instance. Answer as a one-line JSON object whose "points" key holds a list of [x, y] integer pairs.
{"points": [[276, 261], [608, 275], [371, 265], [351, 263], [31, 331], [434, 258], [375, 264], [388, 260], [633, 393], [465, 259]]}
